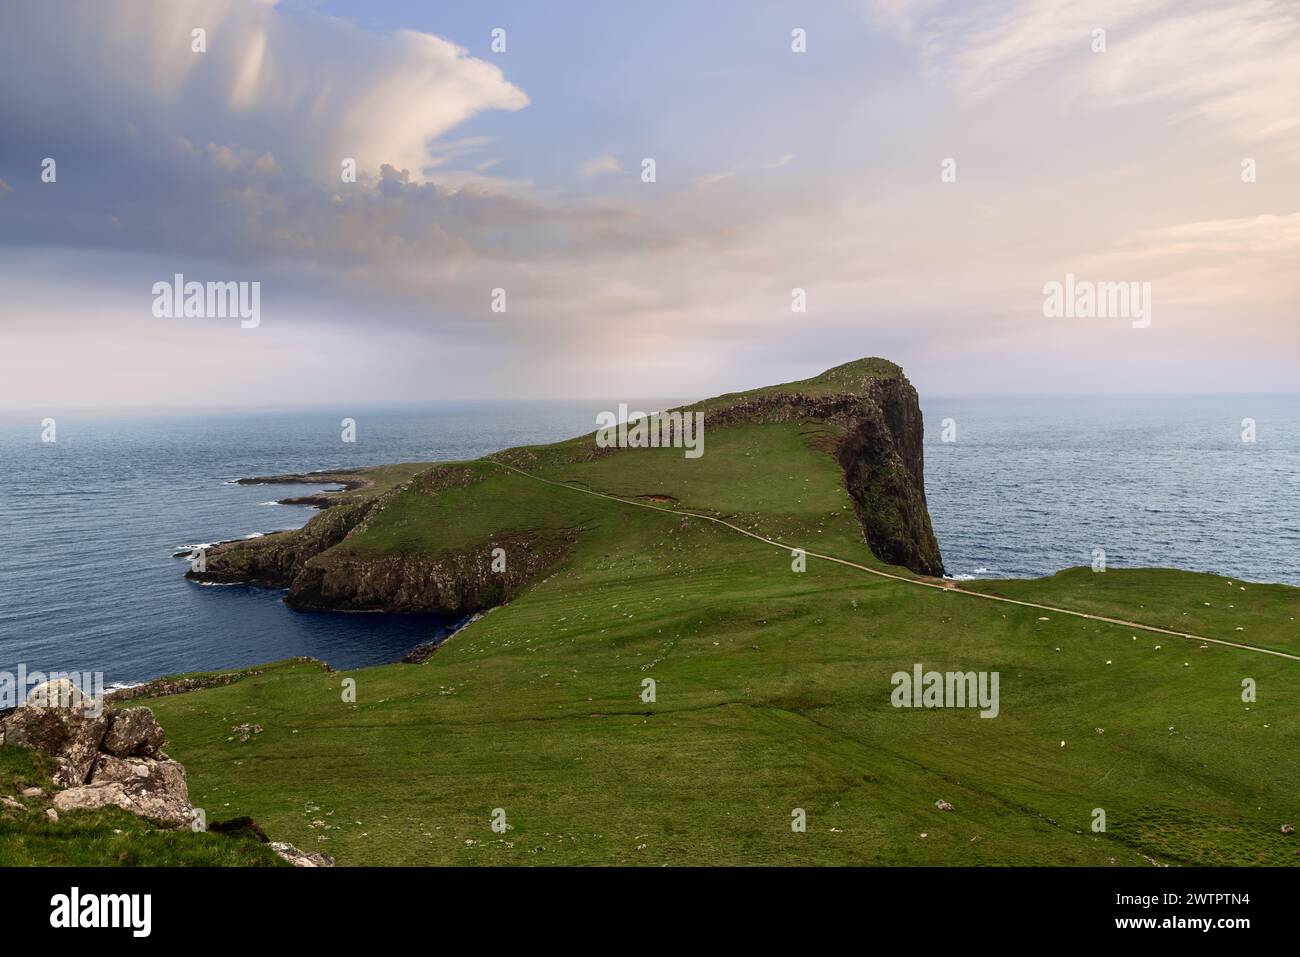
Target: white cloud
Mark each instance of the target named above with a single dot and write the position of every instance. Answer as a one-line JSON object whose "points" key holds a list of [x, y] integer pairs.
{"points": [[712, 179], [309, 89], [1228, 65], [601, 166]]}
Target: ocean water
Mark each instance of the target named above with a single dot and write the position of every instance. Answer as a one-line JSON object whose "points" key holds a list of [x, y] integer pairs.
{"points": [[1033, 485], [89, 523]]}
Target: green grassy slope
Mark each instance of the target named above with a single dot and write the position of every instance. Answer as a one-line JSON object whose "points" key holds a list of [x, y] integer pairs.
{"points": [[773, 693]]}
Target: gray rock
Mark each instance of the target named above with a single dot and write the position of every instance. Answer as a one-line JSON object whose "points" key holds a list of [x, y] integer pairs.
{"points": [[144, 786], [66, 733], [133, 732], [301, 858], [32, 793], [943, 805], [62, 693], [52, 814]]}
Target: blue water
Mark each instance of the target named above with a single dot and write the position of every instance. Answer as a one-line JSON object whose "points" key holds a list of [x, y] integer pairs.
{"points": [[1031, 485], [88, 524]]}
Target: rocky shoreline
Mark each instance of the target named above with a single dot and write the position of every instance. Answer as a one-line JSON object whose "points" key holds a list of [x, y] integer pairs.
{"points": [[346, 480], [319, 577]]}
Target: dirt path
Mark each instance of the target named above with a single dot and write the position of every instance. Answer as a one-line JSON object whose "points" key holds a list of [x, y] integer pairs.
{"points": [[943, 585]]}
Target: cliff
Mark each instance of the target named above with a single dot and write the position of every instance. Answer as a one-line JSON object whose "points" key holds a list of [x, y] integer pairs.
{"points": [[321, 572], [877, 416]]}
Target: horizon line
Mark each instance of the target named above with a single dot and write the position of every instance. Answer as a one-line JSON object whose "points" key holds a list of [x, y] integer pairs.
{"points": [[46, 409]]}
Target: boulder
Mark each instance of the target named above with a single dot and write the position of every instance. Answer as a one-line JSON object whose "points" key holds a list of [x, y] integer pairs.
{"points": [[133, 732], [67, 733], [144, 786], [62, 693]]}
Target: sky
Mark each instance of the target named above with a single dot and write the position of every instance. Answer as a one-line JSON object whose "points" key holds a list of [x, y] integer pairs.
{"points": [[921, 170]]}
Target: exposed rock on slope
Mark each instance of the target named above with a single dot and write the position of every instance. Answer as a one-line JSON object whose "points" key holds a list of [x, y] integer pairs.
{"points": [[451, 584], [113, 757]]}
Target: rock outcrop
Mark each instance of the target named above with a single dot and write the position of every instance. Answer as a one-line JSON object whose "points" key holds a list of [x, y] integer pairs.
{"points": [[320, 576], [455, 583], [106, 756], [151, 787], [273, 561], [70, 734], [301, 858]]}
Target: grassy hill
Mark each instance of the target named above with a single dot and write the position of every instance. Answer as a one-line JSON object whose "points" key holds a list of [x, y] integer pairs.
{"points": [[772, 686]]}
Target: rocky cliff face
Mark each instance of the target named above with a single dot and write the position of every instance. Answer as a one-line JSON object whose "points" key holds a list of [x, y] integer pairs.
{"points": [[457, 583], [319, 576], [275, 560], [884, 470]]}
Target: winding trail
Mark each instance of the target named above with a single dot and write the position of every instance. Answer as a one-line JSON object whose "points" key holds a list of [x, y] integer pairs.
{"points": [[941, 585]]}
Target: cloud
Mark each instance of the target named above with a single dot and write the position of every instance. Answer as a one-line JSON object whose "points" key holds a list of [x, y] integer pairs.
{"points": [[898, 16], [712, 179], [1215, 267], [226, 165], [311, 90], [280, 100], [1227, 65], [601, 166]]}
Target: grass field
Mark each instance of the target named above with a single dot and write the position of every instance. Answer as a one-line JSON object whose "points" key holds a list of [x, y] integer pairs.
{"points": [[772, 693]]}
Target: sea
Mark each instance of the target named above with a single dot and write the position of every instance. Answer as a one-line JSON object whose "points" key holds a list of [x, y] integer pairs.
{"points": [[1017, 487]]}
